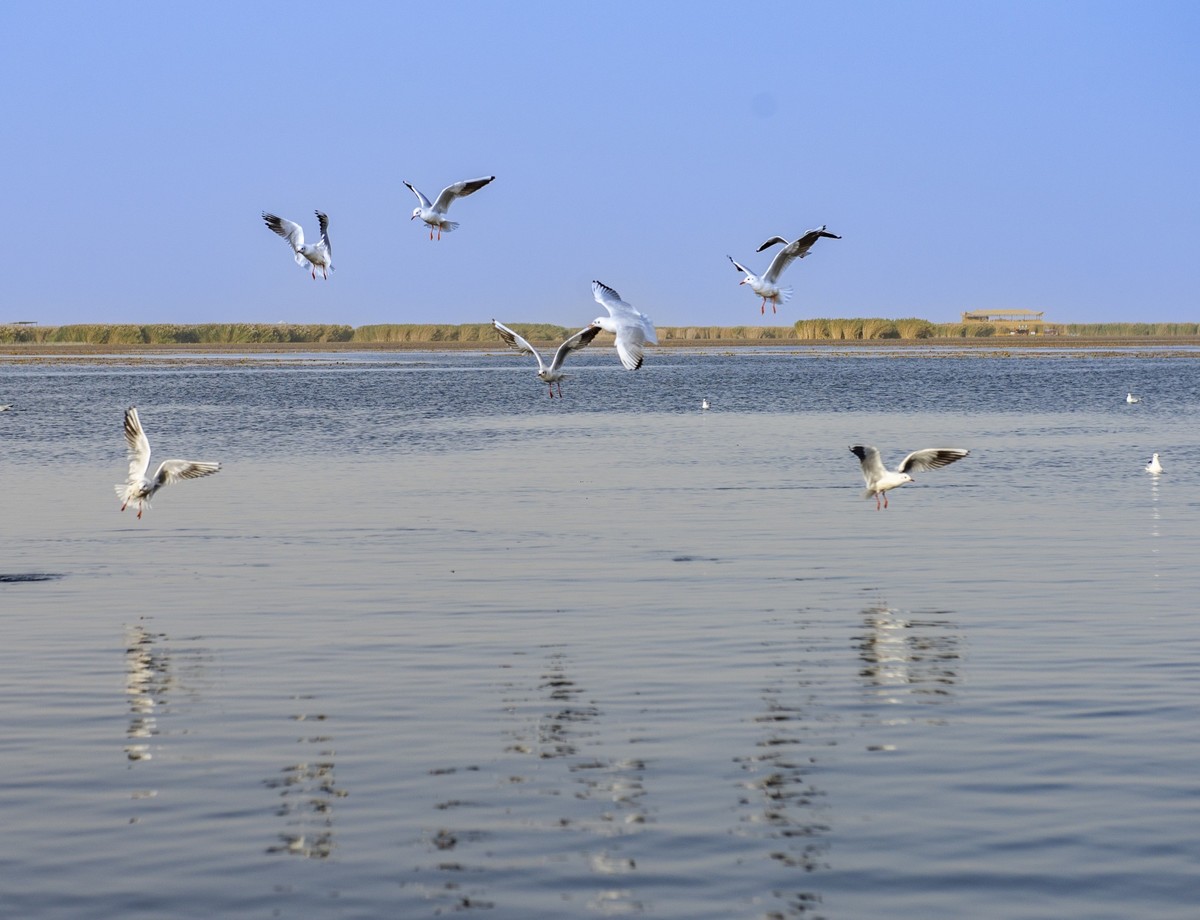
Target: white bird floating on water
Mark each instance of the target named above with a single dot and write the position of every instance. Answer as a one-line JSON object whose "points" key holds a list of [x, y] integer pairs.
{"points": [[1130, 398], [1154, 466], [632, 328], [434, 213], [137, 488], [881, 480], [705, 404], [312, 255], [766, 285], [553, 373]]}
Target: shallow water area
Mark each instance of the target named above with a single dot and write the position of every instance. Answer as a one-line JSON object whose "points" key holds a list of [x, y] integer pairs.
{"points": [[432, 643]]}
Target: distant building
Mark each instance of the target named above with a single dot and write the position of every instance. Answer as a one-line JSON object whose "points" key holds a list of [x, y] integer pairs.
{"points": [[1012, 322]]}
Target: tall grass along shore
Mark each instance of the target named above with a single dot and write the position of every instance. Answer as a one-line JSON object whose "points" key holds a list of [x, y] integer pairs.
{"points": [[845, 330]]}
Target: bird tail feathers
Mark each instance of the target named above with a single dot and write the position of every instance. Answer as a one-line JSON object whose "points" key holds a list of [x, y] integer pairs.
{"points": [[785, 295], [449, 225], [868, 493]]}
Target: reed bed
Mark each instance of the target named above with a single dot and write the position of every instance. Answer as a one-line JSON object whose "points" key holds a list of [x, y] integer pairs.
{"points": [[840, 329]]}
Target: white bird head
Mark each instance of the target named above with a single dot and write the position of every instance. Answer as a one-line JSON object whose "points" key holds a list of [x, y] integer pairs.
{"points": [[415, 214]]}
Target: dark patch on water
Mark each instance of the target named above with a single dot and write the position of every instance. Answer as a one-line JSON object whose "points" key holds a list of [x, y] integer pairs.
{"points": [[29, 576]]}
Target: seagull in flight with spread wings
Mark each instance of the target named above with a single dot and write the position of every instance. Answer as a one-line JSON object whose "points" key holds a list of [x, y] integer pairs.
{"points": [[434, 213], [137, 488], [552, 373], [633, 328], [881, 480], [312, 255], [766, 285]]}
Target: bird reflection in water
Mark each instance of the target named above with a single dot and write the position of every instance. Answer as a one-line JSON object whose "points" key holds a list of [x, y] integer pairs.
{"points": [[307, 793], [908, 656], [789, 810], [148, 681]]}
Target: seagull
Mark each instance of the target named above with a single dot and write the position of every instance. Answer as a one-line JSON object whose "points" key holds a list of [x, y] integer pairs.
{"points": [[705, 404], [5, 407], [137, 488], [632, 328], [1154, 466], [434, 213], [552, 374], [765, 285], [316, 255], [1130, 398], [880, 480]]}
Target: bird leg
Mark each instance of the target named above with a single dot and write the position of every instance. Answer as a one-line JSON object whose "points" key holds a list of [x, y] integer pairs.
{"points": [[139, 511], [763, 308], [885, 499], [877, 494], [773, 310], [560, 389]]}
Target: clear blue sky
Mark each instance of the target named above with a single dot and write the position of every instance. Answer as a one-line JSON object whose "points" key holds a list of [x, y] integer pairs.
{"points": [[982, 155]]}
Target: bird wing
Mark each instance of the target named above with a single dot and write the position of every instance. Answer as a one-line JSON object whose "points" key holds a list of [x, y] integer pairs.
{"points": [[292, 232], [323, 220], [625, 315], [739, 266], [175, 470], [581, 339], [518, 342], [872, 463], [425, 202], [459, 190], [783, 259], [806, 242], [771, 242], [931, 458], [138, 446], [631, 346]]}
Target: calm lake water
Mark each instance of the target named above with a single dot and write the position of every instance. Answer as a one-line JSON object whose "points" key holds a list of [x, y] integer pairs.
{"points": [[433, 644]]}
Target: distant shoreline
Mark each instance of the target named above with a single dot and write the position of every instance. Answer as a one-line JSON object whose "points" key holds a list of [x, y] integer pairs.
{"points": [[991, 346]]}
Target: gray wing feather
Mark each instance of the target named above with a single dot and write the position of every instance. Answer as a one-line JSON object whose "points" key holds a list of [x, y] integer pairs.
{"points": [[175, 470], [931, 458], [425, 202], [518, 342], [581, 339], [138, 447], [772, 242], [289, 230], [323, 220], [459, 190], [872, 463]]}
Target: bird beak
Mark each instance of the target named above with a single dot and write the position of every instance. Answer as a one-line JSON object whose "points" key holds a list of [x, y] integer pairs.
{"points": [[743, 281], [414, 217]]}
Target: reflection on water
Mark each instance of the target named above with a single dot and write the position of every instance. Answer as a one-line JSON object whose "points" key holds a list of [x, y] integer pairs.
{"points": [[307, 793], [788, 807], [916, 657], [148, 681]]}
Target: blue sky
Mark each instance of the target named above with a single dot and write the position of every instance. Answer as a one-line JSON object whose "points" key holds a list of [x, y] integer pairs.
{"points": [[1039, 155]]}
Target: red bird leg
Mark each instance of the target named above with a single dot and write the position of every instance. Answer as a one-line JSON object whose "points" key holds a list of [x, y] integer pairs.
{"points": [[885, 499], [773, 310], [877, 494], [763, 308]]}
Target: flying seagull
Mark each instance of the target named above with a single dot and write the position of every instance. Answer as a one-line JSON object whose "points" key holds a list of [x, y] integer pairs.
{"points": [[632, 328], [137, 488], [766, 285], [1154, 466], [880, 480], [312, 255], [434, 214], [552, 374]]}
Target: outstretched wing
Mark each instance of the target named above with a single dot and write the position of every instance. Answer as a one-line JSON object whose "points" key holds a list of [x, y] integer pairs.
{"points": [[872, 463], [806, 242], [138, 447], [581, 339], [175, 470], [772, 242], [292, 232], [459, 190], [931, 458], [739, 266], [610, 300], [323, 221], [425, 202], [518, 342]]}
